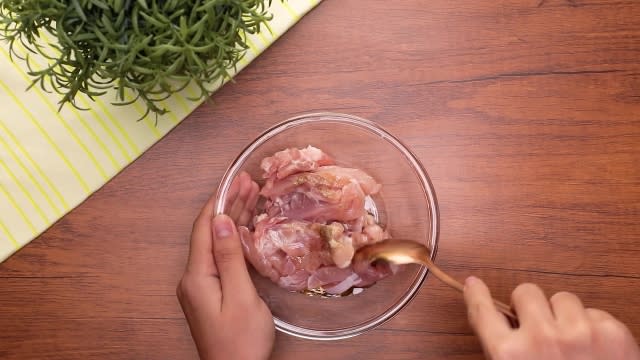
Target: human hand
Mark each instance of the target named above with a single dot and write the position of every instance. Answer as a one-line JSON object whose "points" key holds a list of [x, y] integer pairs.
{"points": [[556, 329], [227, 318]]}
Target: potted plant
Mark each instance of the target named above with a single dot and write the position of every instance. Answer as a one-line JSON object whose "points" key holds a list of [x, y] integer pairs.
{"points": [[153, 48]]}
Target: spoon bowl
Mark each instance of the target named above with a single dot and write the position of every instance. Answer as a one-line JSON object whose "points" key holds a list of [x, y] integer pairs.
{"points": [[402, 252]]}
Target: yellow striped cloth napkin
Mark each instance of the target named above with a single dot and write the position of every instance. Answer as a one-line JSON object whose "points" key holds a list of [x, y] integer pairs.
{"points": [[51, 161]]}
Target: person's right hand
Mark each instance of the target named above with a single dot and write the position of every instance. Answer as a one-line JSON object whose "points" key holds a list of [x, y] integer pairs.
{"points": [[556, 329]]}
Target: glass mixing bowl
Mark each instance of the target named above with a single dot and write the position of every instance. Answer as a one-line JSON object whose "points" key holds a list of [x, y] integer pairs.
{"points": [[406, 206]]}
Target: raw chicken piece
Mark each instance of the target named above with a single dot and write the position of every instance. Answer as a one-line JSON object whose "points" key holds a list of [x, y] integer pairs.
{"points": [[328, 275], [367, 183], [346, 284], [295, 238], [318, 205], [325, 183], [284, 250], [329, 193], [296, 281], [314, 220], [369, 232], [289, 161], [261, 260], [336, 281], [369, 274], [340, 244]]}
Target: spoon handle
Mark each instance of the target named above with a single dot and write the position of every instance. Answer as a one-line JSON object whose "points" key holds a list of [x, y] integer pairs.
{"points": [[445, 278]]}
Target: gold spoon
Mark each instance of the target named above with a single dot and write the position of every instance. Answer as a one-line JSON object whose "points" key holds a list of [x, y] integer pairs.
{"points": [[410, 252]]}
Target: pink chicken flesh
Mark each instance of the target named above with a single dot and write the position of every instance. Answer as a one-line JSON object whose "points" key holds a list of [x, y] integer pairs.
{"points": [[314, 220]]}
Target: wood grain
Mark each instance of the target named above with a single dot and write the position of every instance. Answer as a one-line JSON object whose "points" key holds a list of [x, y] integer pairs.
{"points": [[526, 114]]}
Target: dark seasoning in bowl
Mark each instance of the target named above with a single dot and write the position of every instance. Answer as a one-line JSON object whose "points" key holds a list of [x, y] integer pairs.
{"points": [[313, 216]]}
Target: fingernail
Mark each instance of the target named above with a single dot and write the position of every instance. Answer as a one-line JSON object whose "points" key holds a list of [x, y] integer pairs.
{"points": [[222, 226]]}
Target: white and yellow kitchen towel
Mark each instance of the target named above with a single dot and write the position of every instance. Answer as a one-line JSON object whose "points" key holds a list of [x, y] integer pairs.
{"points": [[51, 161]]}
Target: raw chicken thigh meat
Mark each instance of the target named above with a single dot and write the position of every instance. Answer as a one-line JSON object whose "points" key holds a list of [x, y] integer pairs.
{"points": [[313, 221]]}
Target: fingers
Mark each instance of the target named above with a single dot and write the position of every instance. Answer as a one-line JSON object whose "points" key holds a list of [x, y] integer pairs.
{"points": [[200, 250], [486, 321], [567, 309], [573, 329], [531, 305], [245, 216], [608, 326], [227, 250], [241, 201], [597, 315], [232, 193], [610, 333]]}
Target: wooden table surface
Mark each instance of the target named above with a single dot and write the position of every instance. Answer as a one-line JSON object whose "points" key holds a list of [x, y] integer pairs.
{"points": [[526, 114]]}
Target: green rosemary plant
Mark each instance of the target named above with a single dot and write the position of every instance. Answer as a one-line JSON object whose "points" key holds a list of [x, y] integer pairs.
{"points": [[152, 47]]}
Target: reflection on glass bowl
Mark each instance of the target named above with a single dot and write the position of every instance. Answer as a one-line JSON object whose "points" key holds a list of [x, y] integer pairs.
{"points": [[406, 206]]}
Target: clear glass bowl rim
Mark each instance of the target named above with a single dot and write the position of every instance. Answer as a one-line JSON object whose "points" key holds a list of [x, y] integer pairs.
{"points": [[424, 179]]}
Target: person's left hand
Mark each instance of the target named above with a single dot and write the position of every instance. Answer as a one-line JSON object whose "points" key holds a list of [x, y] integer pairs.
{"points": [[227, 318]]}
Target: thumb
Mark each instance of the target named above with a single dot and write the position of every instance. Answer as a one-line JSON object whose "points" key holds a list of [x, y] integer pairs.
{"points": [[227, 252]]}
